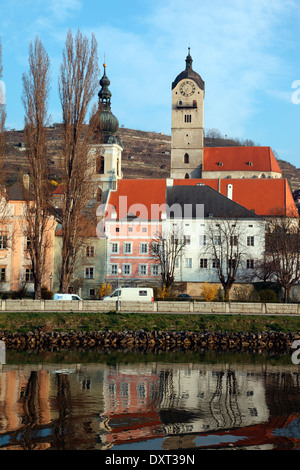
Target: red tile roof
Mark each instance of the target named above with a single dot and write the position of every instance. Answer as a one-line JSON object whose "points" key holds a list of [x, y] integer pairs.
{"points": [[239, 159], [265, 197], [59, 189], [138, 191], [271, 196]]}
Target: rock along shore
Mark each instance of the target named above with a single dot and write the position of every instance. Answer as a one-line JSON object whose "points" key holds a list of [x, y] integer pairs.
{"points": [[149, 340]]}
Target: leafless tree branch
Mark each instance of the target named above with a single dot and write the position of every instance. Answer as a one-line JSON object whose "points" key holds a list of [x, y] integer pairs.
{"points": [[36, 88], [77, 87]]}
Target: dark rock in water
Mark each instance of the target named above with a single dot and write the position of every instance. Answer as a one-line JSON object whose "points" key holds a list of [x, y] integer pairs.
{"points": [[45, 340]]}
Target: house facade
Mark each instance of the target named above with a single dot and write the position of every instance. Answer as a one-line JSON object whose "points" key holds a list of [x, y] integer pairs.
{"points": [[15, 262], [162, 208], [90, 266]]}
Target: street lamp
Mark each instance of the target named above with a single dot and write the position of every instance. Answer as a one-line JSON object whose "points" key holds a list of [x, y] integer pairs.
{"points": [[119, 272]]}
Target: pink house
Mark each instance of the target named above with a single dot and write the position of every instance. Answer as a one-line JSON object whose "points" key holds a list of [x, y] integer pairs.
{"points": [[133, 220]]}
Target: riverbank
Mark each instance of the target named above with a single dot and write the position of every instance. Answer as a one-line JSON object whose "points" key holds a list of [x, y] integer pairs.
{"points": [[23, 322], [150, 341], [55, 331]]}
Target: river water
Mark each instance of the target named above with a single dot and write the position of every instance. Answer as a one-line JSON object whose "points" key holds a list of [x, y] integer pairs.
{"points": [[144, 401]]}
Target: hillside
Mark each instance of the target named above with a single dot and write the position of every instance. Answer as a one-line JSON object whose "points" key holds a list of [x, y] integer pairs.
{"points": [[145, 155]]}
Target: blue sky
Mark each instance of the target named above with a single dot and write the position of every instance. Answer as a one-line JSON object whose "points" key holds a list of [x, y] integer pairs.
{"points": [[247, 52]]}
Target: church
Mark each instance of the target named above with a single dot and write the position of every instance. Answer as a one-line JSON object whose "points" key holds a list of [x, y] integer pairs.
{"points": [[250, 176], [244, 183], [240, 183]]}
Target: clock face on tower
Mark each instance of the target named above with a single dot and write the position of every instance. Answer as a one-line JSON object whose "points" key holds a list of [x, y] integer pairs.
{"points": [[187, 88]]}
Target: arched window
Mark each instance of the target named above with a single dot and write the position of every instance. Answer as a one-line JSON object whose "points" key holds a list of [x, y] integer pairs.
{"points": [[187, 176], [100, 165], [99, 195], [186, 158]]}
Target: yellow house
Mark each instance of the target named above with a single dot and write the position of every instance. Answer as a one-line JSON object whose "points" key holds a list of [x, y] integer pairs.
{"points": [[15, 263]]}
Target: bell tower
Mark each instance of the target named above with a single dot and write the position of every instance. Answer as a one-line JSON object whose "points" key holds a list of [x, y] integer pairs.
{"points": [[187, 123], [105, 155]]}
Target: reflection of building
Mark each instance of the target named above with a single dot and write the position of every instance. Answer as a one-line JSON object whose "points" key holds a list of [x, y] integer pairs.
{"points": [[185, 404], [24, 394], [131, 400], [168, 406]]}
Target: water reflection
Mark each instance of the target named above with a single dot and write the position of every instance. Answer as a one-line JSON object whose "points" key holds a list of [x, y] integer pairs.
{"points": [[151, 405]]}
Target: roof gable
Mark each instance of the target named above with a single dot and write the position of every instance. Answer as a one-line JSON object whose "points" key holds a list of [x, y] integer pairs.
{"points": [[214, 204]]}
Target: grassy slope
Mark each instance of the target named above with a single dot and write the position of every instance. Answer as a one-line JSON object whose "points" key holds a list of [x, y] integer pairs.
{"points": [[24, 322]]}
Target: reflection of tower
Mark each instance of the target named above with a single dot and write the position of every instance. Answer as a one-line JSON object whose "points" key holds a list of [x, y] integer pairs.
{"points": [[187, 123], [106, 154]]}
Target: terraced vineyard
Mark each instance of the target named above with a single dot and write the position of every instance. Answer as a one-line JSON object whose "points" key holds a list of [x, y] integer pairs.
{"points": [[145, 155]]}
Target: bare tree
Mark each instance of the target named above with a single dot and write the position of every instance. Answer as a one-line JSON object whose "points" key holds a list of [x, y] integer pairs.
{"points": [[227, 247], [2, 108], [283, 251], [2, 139], [167, 248], [36, 87], [77, 87]]}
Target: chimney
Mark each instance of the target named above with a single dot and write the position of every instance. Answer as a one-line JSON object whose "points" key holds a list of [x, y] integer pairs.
{"points": [[229, 191]]}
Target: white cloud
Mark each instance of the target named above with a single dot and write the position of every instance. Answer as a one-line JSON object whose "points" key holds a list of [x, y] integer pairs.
{"points": [[234, 47], [239, 47], [62, 9]]}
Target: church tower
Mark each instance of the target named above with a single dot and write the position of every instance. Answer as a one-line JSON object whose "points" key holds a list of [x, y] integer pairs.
{"points": [[105, 155], [187, 123]]}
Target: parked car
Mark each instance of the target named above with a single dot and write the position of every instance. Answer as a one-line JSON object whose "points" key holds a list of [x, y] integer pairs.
{"points": [[184, 297], [131, 294], [66, 297]]}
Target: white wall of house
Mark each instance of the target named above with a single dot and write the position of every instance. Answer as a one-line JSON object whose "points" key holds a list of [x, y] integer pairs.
{"points": [[196, 264], [190, 268]]}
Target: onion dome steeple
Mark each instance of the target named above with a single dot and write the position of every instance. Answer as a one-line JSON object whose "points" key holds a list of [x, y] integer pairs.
{"points": [[104, 93], [109, 124]]}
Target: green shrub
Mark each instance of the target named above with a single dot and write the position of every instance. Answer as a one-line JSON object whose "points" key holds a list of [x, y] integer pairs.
{"points": [[267, 295], [46, 294]]}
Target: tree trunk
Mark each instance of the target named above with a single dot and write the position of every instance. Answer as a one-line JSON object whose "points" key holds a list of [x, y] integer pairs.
{"points": [[226, 292]]}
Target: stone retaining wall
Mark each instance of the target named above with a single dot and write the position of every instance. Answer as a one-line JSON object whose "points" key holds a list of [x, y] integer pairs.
{"points": [[150, 340], [27, 305]]}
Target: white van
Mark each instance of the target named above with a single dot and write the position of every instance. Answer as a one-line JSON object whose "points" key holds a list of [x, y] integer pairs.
{"points": [[132, 294], [66, 297]]}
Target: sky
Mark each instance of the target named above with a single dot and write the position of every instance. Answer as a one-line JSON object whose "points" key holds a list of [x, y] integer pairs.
{"points": [[246, 51]]}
